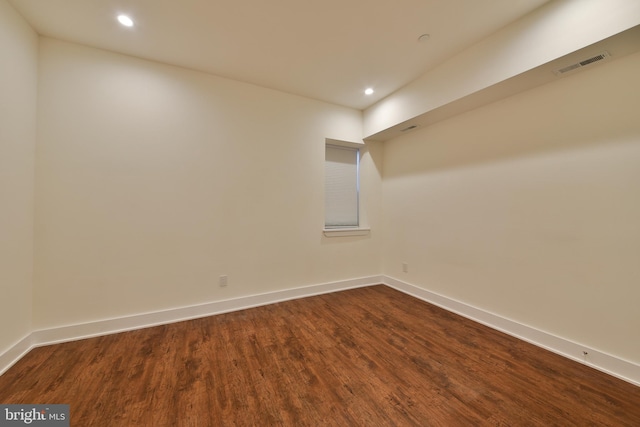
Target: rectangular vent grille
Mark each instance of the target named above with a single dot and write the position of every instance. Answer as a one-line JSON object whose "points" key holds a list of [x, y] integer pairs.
{"points": [[582, 63]]}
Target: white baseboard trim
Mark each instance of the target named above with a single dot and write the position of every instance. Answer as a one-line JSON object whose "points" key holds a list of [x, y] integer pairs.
{"points": [[15, 353], [604, 362], [612, 365], [61, 334]]}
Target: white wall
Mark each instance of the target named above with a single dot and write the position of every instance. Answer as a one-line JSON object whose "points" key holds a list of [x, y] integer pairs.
{"points": [[152, 181], [18, 79], [529, 208]]}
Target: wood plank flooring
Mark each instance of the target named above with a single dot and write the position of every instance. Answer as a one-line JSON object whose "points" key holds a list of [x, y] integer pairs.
{"points": [[364, 357]]}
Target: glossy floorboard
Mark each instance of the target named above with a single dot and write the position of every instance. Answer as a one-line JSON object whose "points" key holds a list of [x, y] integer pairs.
{"points": [[369, 357]]}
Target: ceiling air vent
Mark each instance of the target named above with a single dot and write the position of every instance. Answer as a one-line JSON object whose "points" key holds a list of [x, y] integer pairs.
{"points": [[580, 64]]}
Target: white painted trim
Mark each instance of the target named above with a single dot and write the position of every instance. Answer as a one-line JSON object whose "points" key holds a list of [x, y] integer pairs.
{"points": [[346, 232], [604, 362], [612, 365], [146, 320], [139, 321], [15, 353]]}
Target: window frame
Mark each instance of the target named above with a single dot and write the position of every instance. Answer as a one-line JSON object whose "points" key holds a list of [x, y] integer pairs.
{"points": [[347, 230]]}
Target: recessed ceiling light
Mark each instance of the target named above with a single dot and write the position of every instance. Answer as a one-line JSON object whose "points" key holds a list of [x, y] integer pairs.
{"points": [[125, 20], [368, 91]]}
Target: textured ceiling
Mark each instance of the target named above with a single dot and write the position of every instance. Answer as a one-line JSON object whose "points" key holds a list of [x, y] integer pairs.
{"points": [[329, 50]]}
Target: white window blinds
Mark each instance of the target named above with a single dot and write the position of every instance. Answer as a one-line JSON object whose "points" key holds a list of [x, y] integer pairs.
{"points": [[341, 186]]}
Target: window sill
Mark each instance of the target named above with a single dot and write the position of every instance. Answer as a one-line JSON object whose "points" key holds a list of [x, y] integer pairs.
{"points": [[346, 232]]}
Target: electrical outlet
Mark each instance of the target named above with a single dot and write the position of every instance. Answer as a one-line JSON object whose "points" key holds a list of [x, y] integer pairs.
{"points": [[405, 267], [223, 281]]}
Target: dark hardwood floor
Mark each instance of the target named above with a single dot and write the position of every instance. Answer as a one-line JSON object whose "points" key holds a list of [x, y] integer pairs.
{"points": [[367, 357]]}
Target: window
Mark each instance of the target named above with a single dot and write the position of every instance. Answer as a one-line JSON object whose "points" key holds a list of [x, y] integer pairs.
{"points": [[341, 186]]}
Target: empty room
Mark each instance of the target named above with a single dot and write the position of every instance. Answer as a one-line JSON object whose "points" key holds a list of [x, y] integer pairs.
{"points": [[320, 213]]}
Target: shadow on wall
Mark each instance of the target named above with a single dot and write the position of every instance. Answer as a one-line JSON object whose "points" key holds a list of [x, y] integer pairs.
{"points": [[598, 106]]}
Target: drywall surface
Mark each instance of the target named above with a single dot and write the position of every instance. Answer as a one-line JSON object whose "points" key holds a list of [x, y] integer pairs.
{"points": [[153, 181], [18, 97], [529, 208], [555, 29]]}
